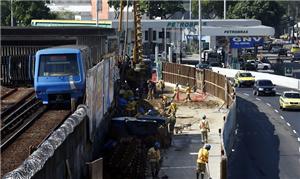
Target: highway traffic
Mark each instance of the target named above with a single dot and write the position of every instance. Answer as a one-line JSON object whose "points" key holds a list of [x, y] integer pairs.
{"points": [[267, 143]]}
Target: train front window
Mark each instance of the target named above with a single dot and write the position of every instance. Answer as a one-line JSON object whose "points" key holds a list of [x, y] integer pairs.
{"points": [[58, 65]]}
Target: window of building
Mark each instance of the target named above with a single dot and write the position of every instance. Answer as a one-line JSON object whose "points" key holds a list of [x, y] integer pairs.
{"points": [[146, 35], [154, 35]]}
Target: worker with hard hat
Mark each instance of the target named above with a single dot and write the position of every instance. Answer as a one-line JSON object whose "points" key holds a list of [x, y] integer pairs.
{"points": [[161, 86], [176, 92], [204, 128], [188, 92], [202, 160], [154, 159]]}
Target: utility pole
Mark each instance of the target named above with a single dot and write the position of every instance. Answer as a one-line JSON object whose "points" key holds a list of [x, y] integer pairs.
{"points": [[224, 9], [190, 9], [11, 14], [200, 30], [97, 4]]}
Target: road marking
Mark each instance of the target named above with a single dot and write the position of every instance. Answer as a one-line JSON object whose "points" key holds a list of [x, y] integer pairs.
{"points": [[258, 99], [298, 139], [165, 168], [269, 104], [193, 153], [281, 117], [276, 110], [288, 124], [294, 131], [246, 94]]}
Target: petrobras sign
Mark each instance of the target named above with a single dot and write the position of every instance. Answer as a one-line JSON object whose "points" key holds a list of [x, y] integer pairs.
{"points": [[245, 42]]}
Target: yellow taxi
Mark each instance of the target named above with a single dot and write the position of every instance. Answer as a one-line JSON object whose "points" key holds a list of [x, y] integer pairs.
{"points": [[289, 100], [243, 79], [295, 49]]}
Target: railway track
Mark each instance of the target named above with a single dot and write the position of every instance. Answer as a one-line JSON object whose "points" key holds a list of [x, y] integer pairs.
{"points": [[21, 116], [17, 98]]}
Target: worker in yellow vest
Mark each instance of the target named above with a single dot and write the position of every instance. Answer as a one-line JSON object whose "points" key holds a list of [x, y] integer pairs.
{"points": [[188, 92], [202, 161]]}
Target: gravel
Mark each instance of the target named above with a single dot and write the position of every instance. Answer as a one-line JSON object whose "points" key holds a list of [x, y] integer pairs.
{"points": [[17, 152]]}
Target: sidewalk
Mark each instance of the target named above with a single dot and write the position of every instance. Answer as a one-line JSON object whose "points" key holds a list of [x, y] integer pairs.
{"points": [[179, 161]]}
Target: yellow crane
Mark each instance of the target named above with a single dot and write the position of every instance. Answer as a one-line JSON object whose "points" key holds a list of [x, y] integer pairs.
{"points": [[138, 46]]}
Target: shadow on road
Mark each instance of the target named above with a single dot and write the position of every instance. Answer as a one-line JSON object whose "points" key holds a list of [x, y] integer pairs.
{"points": [[256, 148]]}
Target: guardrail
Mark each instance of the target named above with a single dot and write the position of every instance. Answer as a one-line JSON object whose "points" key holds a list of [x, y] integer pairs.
{"points": [[217, 85], [284, 81]]}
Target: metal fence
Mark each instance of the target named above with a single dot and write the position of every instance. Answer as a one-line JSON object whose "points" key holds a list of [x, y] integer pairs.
{"points": [[20, 50], [100, 87], [205, 80], [17, 70]]}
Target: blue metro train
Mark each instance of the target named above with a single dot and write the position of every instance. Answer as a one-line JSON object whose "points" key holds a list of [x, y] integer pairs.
{"points": [[60, 73]]}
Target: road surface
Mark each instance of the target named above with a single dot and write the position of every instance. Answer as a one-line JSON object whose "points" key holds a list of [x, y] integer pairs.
{"points": [[267, 143]]}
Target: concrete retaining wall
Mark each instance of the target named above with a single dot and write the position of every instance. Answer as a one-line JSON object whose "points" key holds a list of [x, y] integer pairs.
{"points": [[276, 79], [229, 129]]}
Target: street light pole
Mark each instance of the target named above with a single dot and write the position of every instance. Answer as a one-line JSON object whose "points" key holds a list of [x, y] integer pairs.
{"points": [[11, 14], [190, 9], [224, 9], [200, 29], [97, 4]]}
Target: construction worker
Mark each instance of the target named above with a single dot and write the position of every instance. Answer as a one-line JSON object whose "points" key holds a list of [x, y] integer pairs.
{"points": [[188, 91], [161, 86], [172, 109], [164, 100], [204, 127], [202, 160], [151, 89], [176, 92], [154, 159]]}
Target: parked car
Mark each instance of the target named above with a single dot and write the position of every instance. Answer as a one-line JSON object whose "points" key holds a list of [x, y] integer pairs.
{"points": [[247, 66], [296, 57], [282, 52], [265, 87], [260, 65], [289, 100], [275, 49], [295, 49], [265, 60], [215, 64], [203, 65], [243, 79]]}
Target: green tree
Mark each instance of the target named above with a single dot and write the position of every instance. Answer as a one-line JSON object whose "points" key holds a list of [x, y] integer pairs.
{"points": [[269, 12], [210, 9], [5, 13], [153, 8], [25, 11]]}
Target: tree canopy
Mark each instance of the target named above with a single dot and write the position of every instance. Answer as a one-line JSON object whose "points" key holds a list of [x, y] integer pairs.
{"points": [[24, 12], [269, 12], [154, 8]]}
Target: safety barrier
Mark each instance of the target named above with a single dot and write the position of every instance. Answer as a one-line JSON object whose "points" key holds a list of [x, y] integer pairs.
{"points": [[284, 81], [17, 69], [57, 153], [205, 80], [216, 84]]}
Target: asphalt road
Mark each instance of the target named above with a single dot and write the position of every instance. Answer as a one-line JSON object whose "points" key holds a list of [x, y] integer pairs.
{"points": [[267, 143]]}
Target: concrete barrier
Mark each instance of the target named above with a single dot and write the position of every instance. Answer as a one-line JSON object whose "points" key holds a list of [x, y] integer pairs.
{"points": [[276, 79]]}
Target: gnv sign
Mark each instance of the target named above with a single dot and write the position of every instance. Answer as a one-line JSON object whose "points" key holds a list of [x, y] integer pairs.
{"points": [[245, 42]]}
